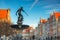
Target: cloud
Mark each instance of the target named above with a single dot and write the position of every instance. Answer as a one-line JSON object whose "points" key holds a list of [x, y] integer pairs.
{"points": [[51, 11], [52, 6], [34, 3], [47, 6]]}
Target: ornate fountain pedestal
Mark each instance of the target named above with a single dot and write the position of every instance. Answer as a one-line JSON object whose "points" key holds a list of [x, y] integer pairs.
{"points": [[20, 21]]}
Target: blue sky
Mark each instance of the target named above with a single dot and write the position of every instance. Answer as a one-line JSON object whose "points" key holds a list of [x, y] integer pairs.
{"points": [[34, 8]]}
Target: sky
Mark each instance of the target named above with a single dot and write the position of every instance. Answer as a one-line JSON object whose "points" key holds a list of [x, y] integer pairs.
{"points": [[36, 9]]}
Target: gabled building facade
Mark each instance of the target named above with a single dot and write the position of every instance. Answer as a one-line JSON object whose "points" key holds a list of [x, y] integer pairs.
{"points": [[50, 27]]}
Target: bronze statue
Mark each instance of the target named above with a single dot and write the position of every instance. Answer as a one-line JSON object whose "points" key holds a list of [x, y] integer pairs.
{"points": [[20, 10], [20, 16]]}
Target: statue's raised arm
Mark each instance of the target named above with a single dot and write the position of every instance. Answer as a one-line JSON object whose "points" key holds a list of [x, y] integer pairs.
{"points": [[17, 11]]}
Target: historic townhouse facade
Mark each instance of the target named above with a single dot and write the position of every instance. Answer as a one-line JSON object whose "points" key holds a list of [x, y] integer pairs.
{"points": [[50, 27], [41, 29], [54, 24]]}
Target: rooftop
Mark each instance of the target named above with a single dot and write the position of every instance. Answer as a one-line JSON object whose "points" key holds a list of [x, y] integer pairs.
{"points": [[57, 14]]}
